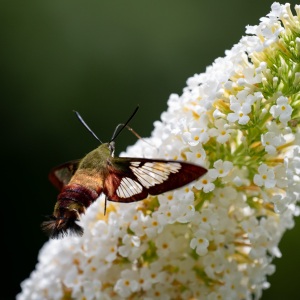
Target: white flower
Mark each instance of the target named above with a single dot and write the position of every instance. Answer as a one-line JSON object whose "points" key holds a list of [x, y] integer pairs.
{"points": [[159, 292], [252, 76], [271, 141], [185, 194], [127, 284], [137, 221], [241, 104], [222, 131], [221, 168], [148, 276], [240, 113], [282, 109], [225, 196], [205, 183], [131, 247], [197, 155], [214, 264], [195, 136], [265, 177], [200, 244], [152, 226], [187, 212], [165, 244], [168, 214]]}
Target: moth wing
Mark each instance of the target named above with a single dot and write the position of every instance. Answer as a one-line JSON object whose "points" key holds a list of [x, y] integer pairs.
{"points": [[132, 179], [60, 175]]}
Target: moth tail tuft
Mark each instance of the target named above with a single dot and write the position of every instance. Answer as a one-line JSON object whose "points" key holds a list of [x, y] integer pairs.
{"points": [[57, 228]]}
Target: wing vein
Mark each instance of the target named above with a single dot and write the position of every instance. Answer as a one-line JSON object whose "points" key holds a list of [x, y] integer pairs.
{"points": [[150, 174]]}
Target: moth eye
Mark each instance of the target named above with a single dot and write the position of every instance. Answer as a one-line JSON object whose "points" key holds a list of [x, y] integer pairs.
{"points": [[111, 147]]}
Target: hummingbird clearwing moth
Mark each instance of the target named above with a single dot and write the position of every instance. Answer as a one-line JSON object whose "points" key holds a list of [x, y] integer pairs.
{"points": [[120, 179]]}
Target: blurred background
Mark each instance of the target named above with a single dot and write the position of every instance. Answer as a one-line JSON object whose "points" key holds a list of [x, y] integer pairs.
{"points": [[101, 58]]}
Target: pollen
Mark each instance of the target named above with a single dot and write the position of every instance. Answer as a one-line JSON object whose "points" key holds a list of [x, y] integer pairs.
{"points": [[165, 246], [198, 155], [196, 138], [76, 262], [223, 132], [170, 197], [195, 115], [127, 282], [154, 223], [204, 181], [283, 107]]}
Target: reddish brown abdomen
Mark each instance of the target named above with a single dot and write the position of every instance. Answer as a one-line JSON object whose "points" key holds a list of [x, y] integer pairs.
{"points": [[78, 193], [83, 188]]}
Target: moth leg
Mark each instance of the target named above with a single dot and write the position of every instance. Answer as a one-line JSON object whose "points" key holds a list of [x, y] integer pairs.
{"points": [[105, 204]]}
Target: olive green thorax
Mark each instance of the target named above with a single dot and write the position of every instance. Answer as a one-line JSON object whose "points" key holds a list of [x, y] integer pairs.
{"points": [[98, 158]]}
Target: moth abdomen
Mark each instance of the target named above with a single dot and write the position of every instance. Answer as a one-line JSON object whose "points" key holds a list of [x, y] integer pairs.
{"points": [[78, 193], [71, 202], [58, 227]]}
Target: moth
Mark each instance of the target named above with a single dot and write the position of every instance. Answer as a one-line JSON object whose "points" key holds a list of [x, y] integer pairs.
{"points": [[120, 179]]}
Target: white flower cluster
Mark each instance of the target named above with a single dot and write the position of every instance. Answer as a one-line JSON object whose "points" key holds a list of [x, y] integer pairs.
{"points": [[216, 237]]}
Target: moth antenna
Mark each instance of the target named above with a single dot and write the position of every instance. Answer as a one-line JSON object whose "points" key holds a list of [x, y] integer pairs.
{"points": [[116, 132], [86, 126]]}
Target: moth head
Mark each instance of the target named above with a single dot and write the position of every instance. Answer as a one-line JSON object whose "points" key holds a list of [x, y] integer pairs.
{"points": [[111, 147], [62, 224]]}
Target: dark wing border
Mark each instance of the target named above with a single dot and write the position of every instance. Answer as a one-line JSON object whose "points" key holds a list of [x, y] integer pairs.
{"points": [[120, 168]]}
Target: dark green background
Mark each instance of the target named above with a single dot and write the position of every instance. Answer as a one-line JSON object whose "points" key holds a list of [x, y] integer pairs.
{"points": [[101, 58]]}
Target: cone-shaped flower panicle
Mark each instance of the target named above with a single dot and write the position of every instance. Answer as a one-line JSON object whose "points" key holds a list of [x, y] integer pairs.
{"points": [[216, 237]]}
